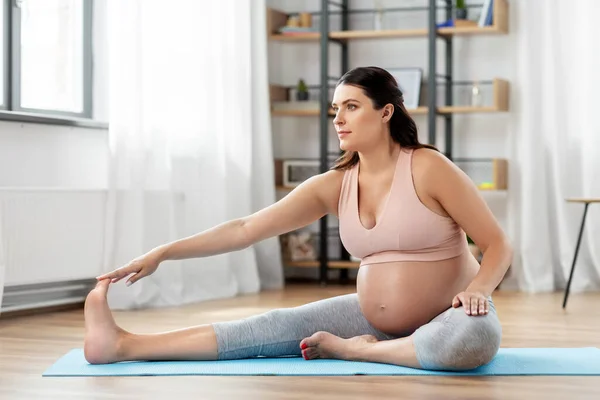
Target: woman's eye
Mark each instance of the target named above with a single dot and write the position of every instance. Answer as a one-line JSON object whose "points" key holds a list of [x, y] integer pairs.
{"points": [[351, 106]]}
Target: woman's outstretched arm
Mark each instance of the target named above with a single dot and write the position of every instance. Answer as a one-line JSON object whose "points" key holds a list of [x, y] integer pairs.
{"points": [[304, 205]]}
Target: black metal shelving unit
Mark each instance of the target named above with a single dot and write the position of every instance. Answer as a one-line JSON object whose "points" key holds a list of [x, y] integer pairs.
{"points": [[434, 79]]}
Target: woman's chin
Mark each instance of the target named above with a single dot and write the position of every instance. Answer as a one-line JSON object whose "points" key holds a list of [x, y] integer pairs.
{"points": [[344, 146]]}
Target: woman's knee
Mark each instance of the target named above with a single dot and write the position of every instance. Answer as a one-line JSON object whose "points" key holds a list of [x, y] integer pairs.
{"points": [[458, 341]]}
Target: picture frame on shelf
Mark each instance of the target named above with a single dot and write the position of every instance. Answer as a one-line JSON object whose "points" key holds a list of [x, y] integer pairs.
{"points": [[409, 81], [296, 171]]}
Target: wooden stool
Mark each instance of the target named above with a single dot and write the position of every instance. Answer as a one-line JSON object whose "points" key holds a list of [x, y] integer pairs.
{"points": [[587, 202]]}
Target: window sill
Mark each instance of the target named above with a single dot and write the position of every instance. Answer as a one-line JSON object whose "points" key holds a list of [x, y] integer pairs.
{"points": [[51, 120]]}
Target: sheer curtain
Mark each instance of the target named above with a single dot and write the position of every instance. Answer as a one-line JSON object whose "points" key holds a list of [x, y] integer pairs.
{"points": [[557, 145], [190, 144]]}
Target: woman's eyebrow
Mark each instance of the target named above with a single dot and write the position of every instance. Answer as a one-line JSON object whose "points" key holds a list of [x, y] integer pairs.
{"points": [[345, 101]]}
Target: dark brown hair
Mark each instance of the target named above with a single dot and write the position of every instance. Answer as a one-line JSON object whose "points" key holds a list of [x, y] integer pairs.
{"points": [[381, 87]]}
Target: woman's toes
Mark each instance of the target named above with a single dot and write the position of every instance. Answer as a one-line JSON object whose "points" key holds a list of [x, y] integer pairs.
{"points": [[310, 353], [313, 340]]}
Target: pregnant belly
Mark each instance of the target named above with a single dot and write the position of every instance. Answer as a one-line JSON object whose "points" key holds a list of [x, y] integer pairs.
{"points": [[398, 297]]}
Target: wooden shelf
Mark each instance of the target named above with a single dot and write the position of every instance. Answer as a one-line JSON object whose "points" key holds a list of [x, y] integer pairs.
{"points": [[277, 19], [297, 37], [315, 264], [408, 33], [387, 34]]}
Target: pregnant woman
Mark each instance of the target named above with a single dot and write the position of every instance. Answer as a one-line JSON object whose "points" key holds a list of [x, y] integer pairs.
{"points": [[404, 209]]}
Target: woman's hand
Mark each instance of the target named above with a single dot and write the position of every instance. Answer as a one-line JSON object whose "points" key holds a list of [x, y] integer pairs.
{"points": [[140, 267], [474, 303]]}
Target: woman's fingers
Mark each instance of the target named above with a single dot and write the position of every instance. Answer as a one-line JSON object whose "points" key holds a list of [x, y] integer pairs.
{"points": [[133, 279], [483, 308], [474, 305], [120, 273]]}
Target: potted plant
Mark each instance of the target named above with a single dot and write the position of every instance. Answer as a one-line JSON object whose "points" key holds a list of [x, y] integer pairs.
{"points": [[461, 9], [301, 91]]}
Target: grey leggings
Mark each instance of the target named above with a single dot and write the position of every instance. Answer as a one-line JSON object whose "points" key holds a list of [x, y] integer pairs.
{"points": [[451, 341]]}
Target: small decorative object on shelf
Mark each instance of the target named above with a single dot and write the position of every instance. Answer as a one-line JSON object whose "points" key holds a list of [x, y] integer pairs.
{"points": [[461, 9], [293, 22], [297, 25], [378, 17], [301, 91], [305, 20], [476, 100]]}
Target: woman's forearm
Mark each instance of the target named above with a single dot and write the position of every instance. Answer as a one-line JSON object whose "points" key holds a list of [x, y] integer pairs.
{"points": [[223, 238], [494, 264]]}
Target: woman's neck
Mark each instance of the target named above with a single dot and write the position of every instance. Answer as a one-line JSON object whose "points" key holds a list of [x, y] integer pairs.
{"points": [[379, 159]]}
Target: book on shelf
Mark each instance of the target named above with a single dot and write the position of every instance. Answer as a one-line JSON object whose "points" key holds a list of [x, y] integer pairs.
{"points": [[486, 17]]}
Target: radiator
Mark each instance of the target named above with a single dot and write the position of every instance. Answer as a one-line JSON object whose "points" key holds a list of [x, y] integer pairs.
{"points": [[52, 241]]}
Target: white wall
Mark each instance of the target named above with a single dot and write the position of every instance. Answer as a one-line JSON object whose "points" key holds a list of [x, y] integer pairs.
{"points": [[35, 155], [475, 58]]}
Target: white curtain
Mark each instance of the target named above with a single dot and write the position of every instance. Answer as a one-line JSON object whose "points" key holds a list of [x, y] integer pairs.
{"points": [[557, 143], [190, 144]]}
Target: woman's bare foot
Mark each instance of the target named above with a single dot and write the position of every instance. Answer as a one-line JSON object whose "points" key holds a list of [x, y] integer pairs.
{"points": [[102, 335], [327, 345]]}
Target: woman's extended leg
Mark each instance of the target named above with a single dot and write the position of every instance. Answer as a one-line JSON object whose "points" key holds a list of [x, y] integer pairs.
{"points": [[274, 333], [452, 341]]}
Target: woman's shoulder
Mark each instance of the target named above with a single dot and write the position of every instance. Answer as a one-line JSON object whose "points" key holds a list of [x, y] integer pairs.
{"points": [[327, 187], [332, 179], [432, 170], [431, 166], [430, 159]]}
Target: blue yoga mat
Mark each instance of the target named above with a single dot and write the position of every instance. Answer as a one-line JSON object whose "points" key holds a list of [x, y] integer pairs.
{"points": [[508, 361]]}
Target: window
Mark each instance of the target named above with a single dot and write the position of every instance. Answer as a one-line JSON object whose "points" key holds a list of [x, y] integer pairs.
{"points": [[50, 57]]}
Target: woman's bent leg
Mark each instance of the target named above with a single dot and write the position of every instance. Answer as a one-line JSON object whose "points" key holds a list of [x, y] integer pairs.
{"points": [[452, 341], [457, 341]]}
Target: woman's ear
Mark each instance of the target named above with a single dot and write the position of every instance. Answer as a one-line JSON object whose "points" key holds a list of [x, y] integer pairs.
{"points": [[388, 111]]}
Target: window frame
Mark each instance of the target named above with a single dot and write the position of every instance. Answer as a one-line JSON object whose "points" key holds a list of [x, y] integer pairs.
{"points": [[12, 109]]}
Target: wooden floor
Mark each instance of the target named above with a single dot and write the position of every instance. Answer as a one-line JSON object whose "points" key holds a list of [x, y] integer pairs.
{"points": [[29, 345]]}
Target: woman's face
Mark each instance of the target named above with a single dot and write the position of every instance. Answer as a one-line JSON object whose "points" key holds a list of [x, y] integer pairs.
{"points": [[358, 125]]}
